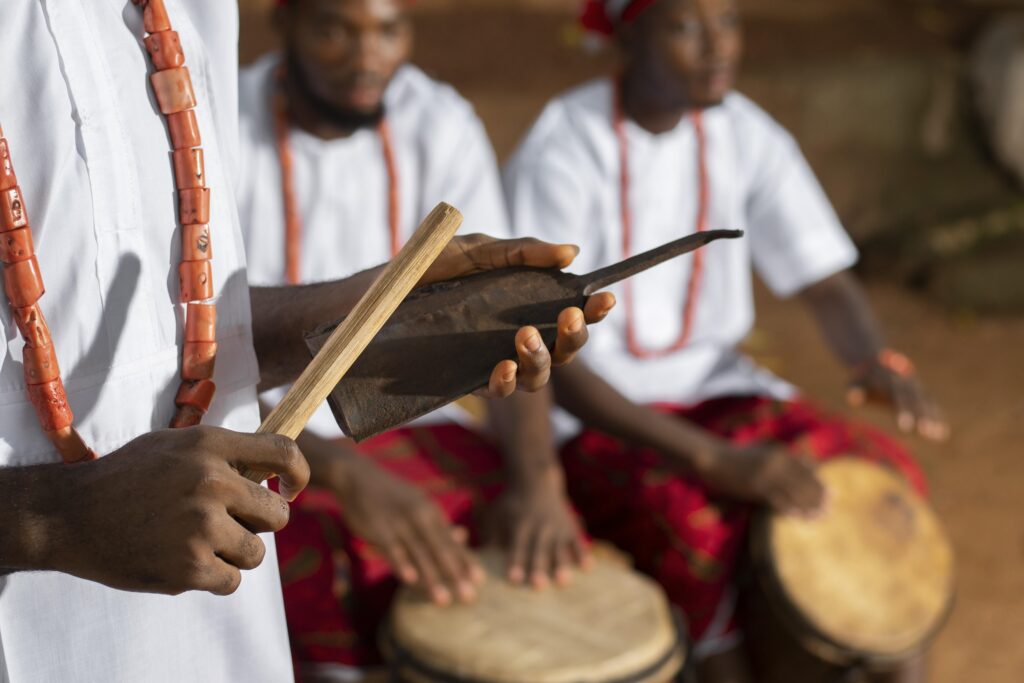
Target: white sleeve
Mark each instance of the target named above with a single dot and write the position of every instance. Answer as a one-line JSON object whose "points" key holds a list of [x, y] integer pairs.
{"points": [[795, 235], [472, 184], [547, 196]]}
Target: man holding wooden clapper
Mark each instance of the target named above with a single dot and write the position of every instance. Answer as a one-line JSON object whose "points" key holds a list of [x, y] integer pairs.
{"points": [[117, 157]]}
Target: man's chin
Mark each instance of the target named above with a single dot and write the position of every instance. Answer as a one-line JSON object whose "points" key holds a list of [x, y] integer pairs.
{"points": [[709, 99], [347, 115]]}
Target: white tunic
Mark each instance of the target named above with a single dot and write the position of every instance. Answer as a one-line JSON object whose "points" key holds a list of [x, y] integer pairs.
{"points": [[92, 155], [563, 185], [442, 154]]}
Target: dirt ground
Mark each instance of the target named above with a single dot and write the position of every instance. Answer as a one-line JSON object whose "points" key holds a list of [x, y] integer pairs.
{"points": [[508, 62]]}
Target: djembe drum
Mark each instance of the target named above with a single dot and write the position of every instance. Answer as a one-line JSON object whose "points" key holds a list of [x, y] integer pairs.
{"points": [[867, 585], [611, 625]]}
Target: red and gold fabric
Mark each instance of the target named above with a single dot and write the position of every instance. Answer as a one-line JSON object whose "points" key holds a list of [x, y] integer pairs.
{"points": [[336, 588], [678, 532]]}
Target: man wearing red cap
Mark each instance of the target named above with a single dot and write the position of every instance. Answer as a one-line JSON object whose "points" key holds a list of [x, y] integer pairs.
{"points": [[345, 147], [678, 426]]}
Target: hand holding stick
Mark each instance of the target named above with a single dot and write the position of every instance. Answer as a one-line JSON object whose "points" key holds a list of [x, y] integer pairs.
{"points": [[350, 338]]}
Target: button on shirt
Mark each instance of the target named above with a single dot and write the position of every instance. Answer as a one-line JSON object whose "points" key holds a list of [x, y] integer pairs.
{"points": [[563, 185], [92, 155], [341, 186]]}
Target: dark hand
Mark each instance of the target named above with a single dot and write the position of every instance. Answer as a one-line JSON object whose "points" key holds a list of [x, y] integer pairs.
{"points": [[768, 475], [410, 530], [169, 513], [466, 255], [899, 387], [541, 533]]}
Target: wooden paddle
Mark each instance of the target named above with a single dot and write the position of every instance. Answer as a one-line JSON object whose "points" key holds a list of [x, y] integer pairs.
{"points": [[351, 337]]}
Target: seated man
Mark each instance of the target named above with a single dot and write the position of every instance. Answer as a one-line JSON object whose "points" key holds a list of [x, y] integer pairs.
{"points": [[621, 165], [346, 148]]}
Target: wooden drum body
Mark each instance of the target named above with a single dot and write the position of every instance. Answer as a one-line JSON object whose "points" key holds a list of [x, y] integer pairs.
{"points": [[871, 582], [610, 625]]}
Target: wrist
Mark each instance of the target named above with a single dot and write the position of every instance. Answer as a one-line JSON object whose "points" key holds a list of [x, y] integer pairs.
{"points": [[695, 449], [888, 359], [334, 471], [330, 461], [537, 476], [41, 504], [701, 455]]}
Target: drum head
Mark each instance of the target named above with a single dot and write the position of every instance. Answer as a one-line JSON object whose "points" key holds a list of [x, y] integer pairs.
{"points": [[611, 625], [873, 578]]}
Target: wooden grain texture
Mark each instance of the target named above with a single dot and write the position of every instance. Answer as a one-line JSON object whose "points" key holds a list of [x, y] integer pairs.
{"points": [[870, 580], [610, 624], [362, 324]]}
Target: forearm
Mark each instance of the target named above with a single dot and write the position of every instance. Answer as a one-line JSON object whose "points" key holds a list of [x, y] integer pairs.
{"points": [[522, 423], [282, 315], [600, 406], [843, 313], [28, 524]]}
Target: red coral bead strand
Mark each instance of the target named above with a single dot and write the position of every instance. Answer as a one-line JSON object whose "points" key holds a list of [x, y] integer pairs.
{"points": [[172, 86], [23, 284]]}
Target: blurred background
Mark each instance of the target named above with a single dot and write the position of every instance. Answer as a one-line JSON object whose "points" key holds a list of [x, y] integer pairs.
{"points": [[912, 114]]}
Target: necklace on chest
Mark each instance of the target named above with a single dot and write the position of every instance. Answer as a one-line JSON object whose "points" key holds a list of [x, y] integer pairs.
{"points": [[23, 283], [627, 220], [292, 215]]}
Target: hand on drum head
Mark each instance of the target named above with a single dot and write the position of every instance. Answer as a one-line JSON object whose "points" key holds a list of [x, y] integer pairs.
{"points": [[169, 512], [769, 475], [410, 530], [470, 254], [539, 530]]}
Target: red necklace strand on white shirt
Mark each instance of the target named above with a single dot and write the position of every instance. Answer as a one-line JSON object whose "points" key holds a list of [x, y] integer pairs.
{"points": [[292, 216], [23, 282], [697, 269]]}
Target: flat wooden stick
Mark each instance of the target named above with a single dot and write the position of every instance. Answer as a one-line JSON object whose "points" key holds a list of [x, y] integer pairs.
{"points": [[359, 328]]}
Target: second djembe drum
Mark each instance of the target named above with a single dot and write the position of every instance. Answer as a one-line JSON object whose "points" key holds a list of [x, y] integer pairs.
{"points": [[869, 583]]}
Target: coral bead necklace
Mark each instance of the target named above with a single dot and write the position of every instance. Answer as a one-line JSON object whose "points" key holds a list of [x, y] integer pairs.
{"points": [[23, 282]]}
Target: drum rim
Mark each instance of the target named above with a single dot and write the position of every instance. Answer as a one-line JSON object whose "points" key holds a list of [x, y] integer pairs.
{"points": [[399, 657], [801, 628]]}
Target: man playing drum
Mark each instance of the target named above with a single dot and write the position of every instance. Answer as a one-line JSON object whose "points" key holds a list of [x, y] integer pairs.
{"points": [[622, 164], [345, 145], [117, 154]]}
